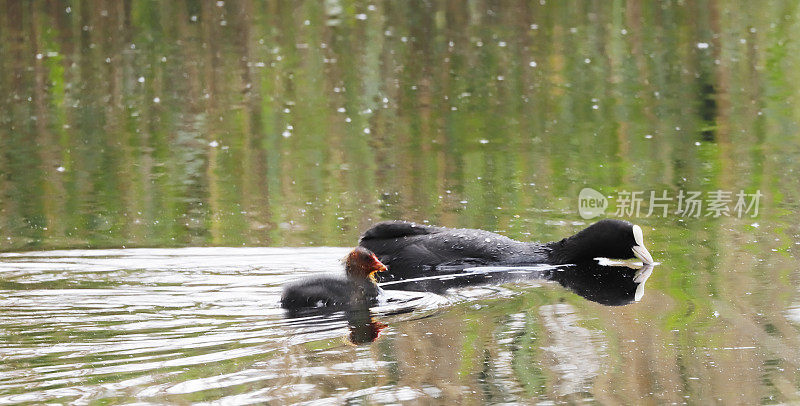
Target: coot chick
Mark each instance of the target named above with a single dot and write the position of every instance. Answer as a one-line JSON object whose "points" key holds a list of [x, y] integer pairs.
{"points": [[411, 250], [358, 286]]}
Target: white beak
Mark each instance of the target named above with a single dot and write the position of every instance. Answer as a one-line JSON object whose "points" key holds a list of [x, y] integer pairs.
{"points": [[641, 252]]}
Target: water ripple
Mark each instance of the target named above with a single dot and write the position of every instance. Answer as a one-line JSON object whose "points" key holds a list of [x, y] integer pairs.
{"points": [[147, 323]]}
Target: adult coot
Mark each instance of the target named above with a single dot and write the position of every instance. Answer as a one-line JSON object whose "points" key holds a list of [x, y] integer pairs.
{"points": [[355, 288], [411, 250]]}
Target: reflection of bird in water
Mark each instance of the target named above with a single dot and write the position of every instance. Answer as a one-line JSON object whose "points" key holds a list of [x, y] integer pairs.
{"points": [[611, 285], [363, 326], [357, 286], [412, 250], [604, 282], [361, 323]]}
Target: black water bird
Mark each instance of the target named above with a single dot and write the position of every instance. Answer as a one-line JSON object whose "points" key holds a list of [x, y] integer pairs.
{"points": [[356, 288], [411, 250]]}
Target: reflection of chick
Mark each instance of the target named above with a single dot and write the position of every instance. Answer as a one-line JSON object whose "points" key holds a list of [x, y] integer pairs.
{"points": [[326, 291], [363, 327]]}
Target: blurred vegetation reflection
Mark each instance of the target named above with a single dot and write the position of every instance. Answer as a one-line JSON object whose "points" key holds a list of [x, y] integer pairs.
{"points": [[143, 123]]}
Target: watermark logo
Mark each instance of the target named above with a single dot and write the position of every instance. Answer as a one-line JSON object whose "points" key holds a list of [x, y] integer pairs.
{"points": [[591, 203], [715, 203]]}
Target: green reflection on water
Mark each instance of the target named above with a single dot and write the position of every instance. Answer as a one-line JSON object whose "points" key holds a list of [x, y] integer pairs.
{"points": [[300, 124]]}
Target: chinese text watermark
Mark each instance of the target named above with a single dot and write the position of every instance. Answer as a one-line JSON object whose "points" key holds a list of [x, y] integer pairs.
{"points": [[715, 203]]}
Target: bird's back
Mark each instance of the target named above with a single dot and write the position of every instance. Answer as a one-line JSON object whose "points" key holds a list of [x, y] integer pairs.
{"points": [[411, 250]]}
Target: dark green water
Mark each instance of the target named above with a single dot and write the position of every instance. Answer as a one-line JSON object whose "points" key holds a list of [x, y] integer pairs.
{"points": [[299, 124]]}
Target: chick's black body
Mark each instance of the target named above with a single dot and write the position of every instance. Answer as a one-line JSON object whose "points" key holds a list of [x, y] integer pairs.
{"points": [[328, 291]]}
